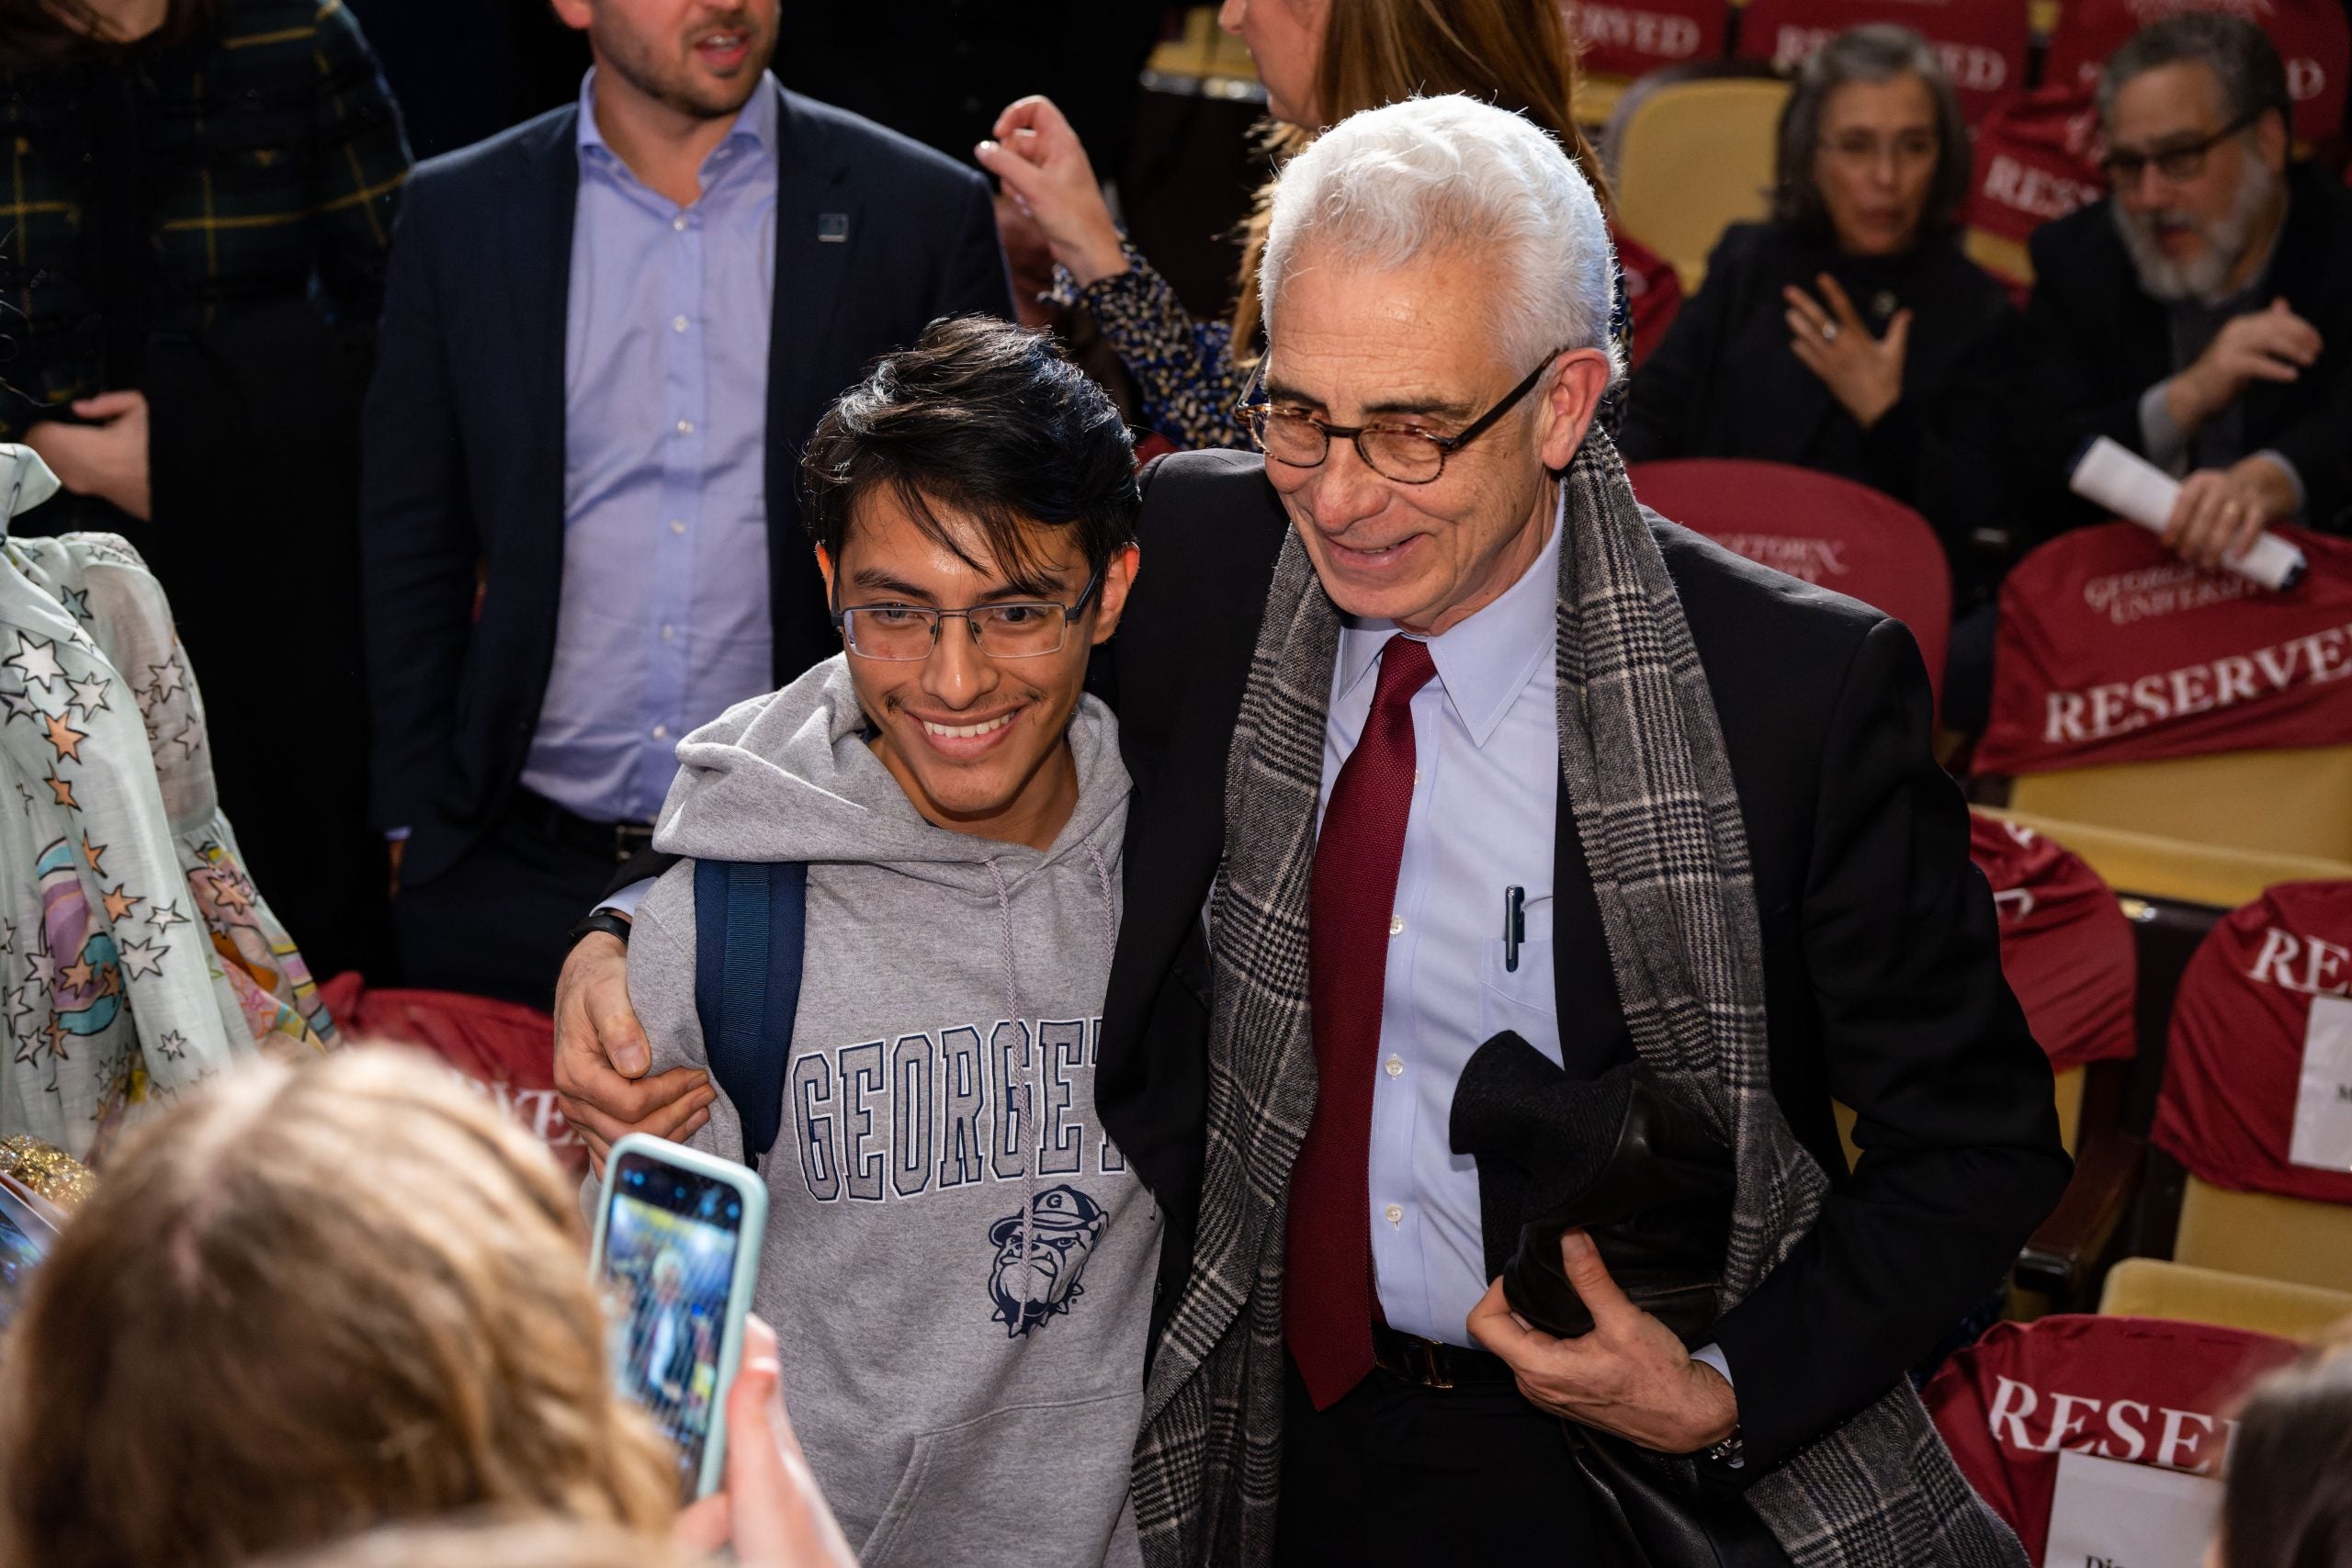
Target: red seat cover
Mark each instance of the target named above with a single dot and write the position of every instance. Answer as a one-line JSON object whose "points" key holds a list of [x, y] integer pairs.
{"points": [[2235, 1061], [1653, 292], [505, 1049], [2066, 949], [1983, 42], [2112, 650], [1827, 530], [2312, 36], [2036, 160], [1633, 37], [2136, 1389]]}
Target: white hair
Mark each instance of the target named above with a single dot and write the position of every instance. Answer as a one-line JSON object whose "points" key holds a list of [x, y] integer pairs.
{"points": [[1451, 174]]}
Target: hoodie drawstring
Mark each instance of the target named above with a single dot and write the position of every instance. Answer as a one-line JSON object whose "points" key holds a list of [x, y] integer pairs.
{"points": [[1029, 1161], [1033, 1157]]}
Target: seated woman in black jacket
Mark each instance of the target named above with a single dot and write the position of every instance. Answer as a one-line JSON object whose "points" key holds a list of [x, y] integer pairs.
{"points": [[1849, 334]]}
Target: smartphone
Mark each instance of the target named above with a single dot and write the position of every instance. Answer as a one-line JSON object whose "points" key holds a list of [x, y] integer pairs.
{"points": [[677, 1250], [27, 1234]]}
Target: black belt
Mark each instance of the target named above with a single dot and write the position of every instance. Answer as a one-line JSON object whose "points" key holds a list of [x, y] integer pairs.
{"points": [[1431, 1364], [619, 840]]}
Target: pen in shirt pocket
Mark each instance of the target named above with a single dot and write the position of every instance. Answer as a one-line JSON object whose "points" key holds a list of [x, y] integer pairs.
{"points": [[1514, 926]]}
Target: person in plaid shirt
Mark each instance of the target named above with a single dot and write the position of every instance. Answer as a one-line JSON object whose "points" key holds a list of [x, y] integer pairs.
{"points": [[195, 206]]}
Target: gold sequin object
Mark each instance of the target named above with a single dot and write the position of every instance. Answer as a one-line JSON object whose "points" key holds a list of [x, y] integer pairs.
{"points": [[47, 1170]]}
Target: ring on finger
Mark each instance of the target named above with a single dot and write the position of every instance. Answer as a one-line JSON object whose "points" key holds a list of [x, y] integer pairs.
{"points": [[1829, 332]]}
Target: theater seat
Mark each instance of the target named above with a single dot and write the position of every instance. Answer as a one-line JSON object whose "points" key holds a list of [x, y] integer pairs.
{"points": [[1984, 43], [2251, 1095], [1597, 99], [2141, 1391], [2183, 1293], [2296, 802], [1817, 527], [503, 1049], [2272, 1238], [1692, 158], [2005, 258], [2154, 867]]}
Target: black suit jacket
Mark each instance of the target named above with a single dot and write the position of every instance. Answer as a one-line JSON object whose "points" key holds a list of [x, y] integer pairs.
{"points": [[1883, 975], [2100, 342], [463, 459], [1725, 384]]}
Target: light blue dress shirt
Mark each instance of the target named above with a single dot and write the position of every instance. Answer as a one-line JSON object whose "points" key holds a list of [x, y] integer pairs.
{"points": [[663, 622], [1485, 799], [1485, 818]]}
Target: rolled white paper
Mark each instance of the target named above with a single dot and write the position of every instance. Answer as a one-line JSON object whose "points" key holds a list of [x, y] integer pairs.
{"points": [[2111, 475]]}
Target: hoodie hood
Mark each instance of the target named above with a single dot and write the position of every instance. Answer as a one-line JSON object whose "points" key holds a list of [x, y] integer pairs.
{"points": [[790, 777]]}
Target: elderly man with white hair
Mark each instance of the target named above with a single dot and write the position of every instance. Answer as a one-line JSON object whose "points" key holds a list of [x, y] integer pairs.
{"points": [[1443, 749]]}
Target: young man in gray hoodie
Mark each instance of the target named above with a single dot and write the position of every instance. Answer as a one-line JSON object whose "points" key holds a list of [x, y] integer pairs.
{"points": [[957, 1262]]}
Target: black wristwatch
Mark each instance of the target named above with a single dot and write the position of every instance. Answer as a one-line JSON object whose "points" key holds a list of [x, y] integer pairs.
{"points": [[611, 920]]}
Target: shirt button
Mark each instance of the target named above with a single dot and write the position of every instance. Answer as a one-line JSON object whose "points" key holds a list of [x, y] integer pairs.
{"points": [[685, 427], [1395, 1214], [678, 324], [1395, 1066], [679, 222], [1395, 925], [677, 526], [669, 634], [661, 732]]}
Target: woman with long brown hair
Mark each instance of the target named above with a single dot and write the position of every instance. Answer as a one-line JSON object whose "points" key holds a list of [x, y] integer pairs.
{"points": [[1320, 61]]}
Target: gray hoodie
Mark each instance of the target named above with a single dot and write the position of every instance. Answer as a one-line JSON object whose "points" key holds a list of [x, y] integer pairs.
{"points": [[962, 1289]]}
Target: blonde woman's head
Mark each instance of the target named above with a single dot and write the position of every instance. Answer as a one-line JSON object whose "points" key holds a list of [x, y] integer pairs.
{"points": [[309, 1301]]}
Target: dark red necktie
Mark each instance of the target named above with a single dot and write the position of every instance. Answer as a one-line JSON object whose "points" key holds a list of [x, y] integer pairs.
{"points": [[1327, 1302]]}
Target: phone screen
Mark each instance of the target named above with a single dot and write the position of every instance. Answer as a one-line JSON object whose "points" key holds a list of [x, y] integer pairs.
{"points": [[21, 1254], [670, 1244]]}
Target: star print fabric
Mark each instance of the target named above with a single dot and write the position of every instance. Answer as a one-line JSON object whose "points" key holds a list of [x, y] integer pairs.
{"points": [[136, 957]]}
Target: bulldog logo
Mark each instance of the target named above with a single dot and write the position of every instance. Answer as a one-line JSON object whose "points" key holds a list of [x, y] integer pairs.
{"points": [[1036, 1276]]}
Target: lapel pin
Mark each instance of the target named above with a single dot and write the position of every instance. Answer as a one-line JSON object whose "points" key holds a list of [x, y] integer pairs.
{"points": [[833, 228]]}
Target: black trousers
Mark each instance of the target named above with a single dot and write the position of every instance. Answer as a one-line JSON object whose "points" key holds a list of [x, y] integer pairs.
{"points": [[1399, 1473], [495, 923]]}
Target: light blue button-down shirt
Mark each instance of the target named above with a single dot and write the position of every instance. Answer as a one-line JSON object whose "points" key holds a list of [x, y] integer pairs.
{"points": [[1485, 799], [664, 618], [1485, 818]]}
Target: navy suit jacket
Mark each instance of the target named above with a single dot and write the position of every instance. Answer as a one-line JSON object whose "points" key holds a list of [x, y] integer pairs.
{"points": [[462, 526]]}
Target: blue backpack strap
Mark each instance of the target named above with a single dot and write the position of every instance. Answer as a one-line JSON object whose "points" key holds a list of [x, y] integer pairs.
{"points": [[751, 924]]}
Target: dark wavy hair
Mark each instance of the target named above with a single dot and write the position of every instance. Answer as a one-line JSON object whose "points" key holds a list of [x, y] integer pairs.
{"points": [[987, 421], [1878, 52], [2240, 54]]}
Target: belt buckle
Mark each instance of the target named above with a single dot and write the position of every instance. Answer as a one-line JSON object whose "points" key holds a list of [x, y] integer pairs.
{"points": [[628, 837], [1433, 1372], [1418, 1360]]}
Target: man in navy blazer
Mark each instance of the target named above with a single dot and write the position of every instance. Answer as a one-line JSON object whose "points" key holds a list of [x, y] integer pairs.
{"points": [[607, 334]]}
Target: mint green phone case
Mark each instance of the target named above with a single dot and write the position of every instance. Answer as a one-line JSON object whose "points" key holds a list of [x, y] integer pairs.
{"points": [[748, 1187]]}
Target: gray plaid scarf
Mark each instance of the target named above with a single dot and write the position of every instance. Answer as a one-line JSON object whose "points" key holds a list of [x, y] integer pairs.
{"points": [[1642, 759]]}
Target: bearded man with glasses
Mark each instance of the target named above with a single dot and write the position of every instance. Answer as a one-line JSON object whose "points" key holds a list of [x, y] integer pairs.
{"points": [[1470, 796], [2201, 314]]}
